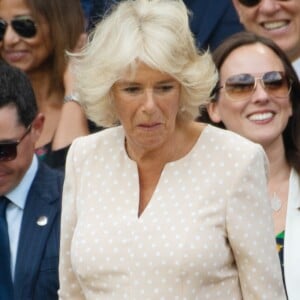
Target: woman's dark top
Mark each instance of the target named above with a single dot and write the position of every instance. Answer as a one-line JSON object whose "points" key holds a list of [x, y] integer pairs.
{"points": [[57, 158]]}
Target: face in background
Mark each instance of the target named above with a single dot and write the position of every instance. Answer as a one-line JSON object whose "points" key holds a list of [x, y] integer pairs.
{"points": [[278, 20], [12, 172], [147, 104], [261, 117], [27, 54]]}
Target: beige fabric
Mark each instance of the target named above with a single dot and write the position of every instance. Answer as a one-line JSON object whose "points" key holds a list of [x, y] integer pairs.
{"points": [[206, 234]]}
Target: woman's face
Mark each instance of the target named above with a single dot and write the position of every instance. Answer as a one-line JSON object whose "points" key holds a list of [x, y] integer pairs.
{"points": [[27, 54], [262, 116], [277, 20], [147, 104]]}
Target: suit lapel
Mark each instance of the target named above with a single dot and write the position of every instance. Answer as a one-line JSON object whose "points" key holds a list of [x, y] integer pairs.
{"points": [[41, 209]]}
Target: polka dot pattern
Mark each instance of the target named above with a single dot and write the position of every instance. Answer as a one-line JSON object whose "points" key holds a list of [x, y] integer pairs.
{"points": [[206, 233]]}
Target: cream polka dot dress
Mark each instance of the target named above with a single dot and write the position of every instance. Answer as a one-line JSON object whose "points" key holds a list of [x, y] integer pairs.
{"points": [[206, 233]]}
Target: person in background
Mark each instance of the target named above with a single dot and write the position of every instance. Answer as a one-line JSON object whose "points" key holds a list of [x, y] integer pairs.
{"points": [[275, 19], [34, 36], [159, 206], [30, 197], [212, 21], [258, 97]]}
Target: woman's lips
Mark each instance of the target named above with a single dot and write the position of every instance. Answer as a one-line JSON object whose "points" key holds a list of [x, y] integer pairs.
{"points": [[149, 125], [14, 56]]}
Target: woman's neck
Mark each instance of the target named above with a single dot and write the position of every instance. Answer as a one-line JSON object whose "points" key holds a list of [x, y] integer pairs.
{"points": [[49, 101], [278, 185], [279, 167], [177, 146], [45, 94]]}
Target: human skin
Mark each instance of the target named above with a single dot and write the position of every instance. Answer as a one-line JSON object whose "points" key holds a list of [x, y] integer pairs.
{"points": [[11, 172], [277, 20], [261, 118], [27, 54], [147, 105]]}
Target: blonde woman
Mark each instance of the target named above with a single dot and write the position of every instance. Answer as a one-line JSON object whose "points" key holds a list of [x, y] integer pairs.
{"points": [[159, 206]]}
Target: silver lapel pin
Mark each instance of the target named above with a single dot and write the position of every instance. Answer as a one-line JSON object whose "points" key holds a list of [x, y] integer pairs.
{"points": [[42, 221]]}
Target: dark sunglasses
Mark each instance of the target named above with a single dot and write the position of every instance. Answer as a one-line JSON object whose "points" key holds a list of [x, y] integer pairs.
{"points": [[23, 26], [251, 3], [242, 86], [8, 150]]}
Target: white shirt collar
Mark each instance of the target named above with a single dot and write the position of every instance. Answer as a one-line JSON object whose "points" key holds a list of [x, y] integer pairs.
{"points": [[19, 194]]}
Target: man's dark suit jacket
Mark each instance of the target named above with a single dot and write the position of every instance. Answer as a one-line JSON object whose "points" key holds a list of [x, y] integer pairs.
{"points": [[212, 21], [36, 272]]}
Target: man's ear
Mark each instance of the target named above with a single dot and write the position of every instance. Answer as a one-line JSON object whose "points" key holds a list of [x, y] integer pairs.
{"points": [[213, 112], [37, 126]]}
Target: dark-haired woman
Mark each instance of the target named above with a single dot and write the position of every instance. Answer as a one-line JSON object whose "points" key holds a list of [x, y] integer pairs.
{"points": [[258, 97]]}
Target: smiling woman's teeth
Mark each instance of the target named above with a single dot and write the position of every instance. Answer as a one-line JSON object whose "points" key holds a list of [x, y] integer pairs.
{"points": [[274, 25], [261, 117]]}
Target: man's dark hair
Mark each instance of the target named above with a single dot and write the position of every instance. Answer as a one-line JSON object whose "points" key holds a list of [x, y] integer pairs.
{"points": [[16, 90]]}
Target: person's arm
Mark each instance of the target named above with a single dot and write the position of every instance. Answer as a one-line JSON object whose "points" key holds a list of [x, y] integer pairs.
{"points": [[73, 122], [251, 231], [69, 285]]}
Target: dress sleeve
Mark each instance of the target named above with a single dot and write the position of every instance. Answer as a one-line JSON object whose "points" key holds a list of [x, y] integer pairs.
{"points": [[251, 232], [69, 284]]}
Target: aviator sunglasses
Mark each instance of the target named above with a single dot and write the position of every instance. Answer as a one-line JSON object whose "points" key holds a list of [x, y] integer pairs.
{"points": [[242, 86], [8, 150], [24, 26], [251, 3]]}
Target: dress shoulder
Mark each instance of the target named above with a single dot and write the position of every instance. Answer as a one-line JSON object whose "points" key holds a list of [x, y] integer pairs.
{"points": [[104, 143], [229, 140]]}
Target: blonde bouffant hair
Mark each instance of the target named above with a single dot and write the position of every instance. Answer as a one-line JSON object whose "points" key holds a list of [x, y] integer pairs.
{"points": [[155, 32]]}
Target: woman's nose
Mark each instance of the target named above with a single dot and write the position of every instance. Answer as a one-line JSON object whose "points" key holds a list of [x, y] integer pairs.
{"points": [[269, 7], [260, 94], [10, 36], [149, 101]]}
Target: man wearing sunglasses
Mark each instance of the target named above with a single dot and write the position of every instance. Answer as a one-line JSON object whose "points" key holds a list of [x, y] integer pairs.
{"points": [[30, 197], [278, 20]]}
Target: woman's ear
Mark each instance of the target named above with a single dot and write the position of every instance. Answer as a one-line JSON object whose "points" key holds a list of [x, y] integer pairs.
{"points": [[213, 112]]}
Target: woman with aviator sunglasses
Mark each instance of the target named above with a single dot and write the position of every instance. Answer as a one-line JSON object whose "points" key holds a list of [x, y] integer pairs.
{"points": [[34, 36], [258, 97]]}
